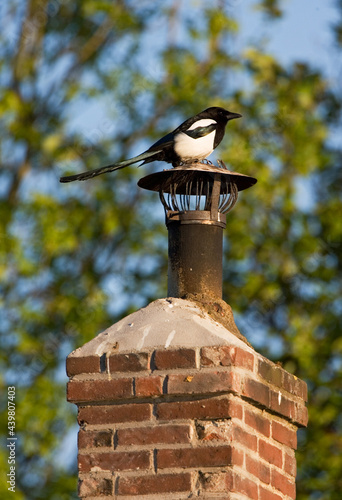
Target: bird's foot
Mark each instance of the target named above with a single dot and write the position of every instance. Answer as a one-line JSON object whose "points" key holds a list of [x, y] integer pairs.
{"points": [[223, 165]]}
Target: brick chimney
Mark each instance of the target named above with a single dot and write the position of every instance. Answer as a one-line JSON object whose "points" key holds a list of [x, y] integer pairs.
{"points": [[174, 403]]}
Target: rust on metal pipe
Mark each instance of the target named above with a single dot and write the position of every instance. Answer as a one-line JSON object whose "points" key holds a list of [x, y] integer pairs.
{"points": [[195, 258]]}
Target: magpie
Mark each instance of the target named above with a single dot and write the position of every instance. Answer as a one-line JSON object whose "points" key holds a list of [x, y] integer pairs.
{"points": [[192, 141]]}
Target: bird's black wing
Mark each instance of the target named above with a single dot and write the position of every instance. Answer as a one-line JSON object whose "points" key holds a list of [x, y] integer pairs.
{"points": [[162, 149], [168, 140], [164, 142], [198, 132]]}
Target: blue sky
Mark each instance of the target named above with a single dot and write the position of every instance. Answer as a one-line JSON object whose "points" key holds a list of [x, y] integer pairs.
{"points": [[304, 32]]}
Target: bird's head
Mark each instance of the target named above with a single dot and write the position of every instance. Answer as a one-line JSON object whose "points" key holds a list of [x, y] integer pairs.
{"points": [[219, 114]]}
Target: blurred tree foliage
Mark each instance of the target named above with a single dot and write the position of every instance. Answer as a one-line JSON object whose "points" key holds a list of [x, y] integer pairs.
{"points": [[87, 82]]}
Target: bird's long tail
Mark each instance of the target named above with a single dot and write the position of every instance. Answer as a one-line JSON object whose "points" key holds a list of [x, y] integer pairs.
{"points": [[109, 168]]}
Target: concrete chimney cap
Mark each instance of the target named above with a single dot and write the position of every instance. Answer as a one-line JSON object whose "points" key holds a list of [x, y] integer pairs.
{"points": [[171, 322]]}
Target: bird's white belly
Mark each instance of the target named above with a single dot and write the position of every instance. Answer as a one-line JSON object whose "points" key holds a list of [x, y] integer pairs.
{"points": [[188, 148]]}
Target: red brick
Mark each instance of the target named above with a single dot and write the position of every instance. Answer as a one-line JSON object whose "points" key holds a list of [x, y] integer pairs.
{"points": [[158, 483], [258, 421], [203, 409], [282, 405], [217, 430], [114, 461], [282, 484], [270, 372], [265, 494], [256, 391], [258, 469], [245, 438], [217, 482], [87, 364], [99, 390], [95, 486], [166, 434], [295, 386], [242, 358], [235, 409], [290, 464], [112, 414], [208, 456], [95, 439], [237, 457], [245, 486], [270, 453], [204, 382], [226, 356], [149, 386], [216, 356], [169, 359], [301, 415], [284, 435], [130, 362]]}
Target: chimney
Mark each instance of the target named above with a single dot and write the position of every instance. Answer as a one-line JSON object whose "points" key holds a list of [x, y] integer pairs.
{"points": [[173, 402]]}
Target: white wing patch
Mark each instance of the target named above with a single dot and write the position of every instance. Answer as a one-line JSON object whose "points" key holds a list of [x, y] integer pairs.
{"points": [[202, 123], [188, 148]]}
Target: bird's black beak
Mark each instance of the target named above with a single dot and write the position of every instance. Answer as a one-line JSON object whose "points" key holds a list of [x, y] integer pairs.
{"points": [[231, 116]]}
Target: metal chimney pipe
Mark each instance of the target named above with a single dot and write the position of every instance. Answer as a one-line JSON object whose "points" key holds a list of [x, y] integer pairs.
{"points": [[195, 257]]}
